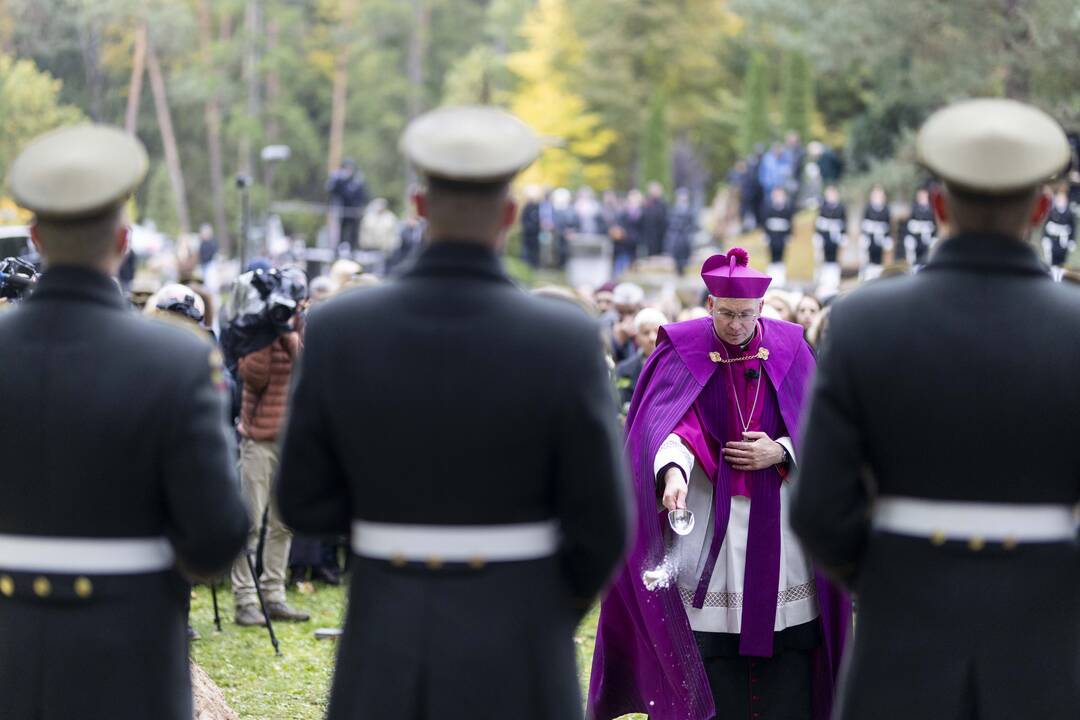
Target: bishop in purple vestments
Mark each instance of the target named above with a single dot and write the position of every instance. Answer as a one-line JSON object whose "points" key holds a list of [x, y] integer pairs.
{"points": [[730, 620]]}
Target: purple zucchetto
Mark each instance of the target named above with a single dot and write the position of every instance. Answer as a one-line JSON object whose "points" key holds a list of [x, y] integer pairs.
{"points": [[730, 276]]}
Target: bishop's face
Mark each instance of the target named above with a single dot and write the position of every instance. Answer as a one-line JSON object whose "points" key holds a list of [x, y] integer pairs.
{"points": [[734, 318]]}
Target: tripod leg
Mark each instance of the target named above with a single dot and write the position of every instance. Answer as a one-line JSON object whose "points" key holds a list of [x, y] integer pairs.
{"points": [[262, 604], [217, 614]]}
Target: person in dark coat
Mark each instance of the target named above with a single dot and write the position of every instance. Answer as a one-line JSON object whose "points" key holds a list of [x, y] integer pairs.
{"points": [[531, 226], [875, 234], [627, 234], [682, 225], [919, 231], [478, 539], [111, 499], [646, 327], [1059, 233], [830, 234], [778, 214], [919, 485], [654, 220], [348, 198]]}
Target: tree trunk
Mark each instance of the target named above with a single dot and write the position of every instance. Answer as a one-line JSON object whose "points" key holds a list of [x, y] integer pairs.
{"points": [[251, 77], [418, 40], [138, 69], [338, 98], [90, 45], [1017, 38], [273, 93], [212, 117], [168, 139]]}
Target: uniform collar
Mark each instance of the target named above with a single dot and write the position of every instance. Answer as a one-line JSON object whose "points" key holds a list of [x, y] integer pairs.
{"points": [[454, 257], [987, 252], [76, 283]]}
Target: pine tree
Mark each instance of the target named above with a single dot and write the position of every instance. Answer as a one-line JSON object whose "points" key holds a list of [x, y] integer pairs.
{"points": [[755, 120], [797, 94], [656, 144]]}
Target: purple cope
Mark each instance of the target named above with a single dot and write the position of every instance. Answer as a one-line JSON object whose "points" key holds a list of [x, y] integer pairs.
{"points": [[646, 659]]}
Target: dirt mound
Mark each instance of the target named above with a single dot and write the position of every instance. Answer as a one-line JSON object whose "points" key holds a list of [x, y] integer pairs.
{"points": [[209, 702]]}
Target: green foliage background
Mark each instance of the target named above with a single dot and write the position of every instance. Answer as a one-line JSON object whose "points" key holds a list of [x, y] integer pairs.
{"points": [[708, 78]]}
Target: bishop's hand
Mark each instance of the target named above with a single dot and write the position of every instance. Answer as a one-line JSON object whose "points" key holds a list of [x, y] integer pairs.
{"points": [[757, 452], [675, 489]]}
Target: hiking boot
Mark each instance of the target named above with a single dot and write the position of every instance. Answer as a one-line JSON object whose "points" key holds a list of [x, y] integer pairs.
{"points": [[248, 615], [282, 611]]}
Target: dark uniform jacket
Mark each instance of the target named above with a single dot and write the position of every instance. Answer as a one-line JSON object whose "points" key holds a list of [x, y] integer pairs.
{"points": [[450, 397], [830, 227], [876, 229], [919, 235], [1059, 233], [778, 228], [113, 428], [957, 384]]}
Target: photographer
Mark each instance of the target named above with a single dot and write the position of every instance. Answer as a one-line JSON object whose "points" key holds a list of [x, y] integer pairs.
{"points": [[275, 302]]}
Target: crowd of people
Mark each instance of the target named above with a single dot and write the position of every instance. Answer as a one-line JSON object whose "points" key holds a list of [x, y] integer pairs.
{"points": [[636, 225]]}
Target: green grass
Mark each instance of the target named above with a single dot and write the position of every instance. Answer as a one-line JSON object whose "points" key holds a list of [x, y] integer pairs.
{"points": [[260, 686]]}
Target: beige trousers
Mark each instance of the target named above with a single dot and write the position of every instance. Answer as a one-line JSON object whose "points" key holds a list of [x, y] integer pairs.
{"points": [[258, 464]]}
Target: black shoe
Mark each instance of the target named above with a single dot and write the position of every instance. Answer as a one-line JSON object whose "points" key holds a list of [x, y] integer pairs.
{"points": [[327, 575], [192, 634], [282, 611]]}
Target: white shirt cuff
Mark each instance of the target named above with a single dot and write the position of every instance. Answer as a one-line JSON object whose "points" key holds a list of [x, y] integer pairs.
{"points": [[673, 452]]}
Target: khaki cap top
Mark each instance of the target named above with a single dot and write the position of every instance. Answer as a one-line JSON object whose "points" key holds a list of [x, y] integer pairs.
{"points": [[470, 144], [993, 146], [77, 172]]}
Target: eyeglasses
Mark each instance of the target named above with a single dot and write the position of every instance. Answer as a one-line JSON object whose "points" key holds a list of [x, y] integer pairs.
{"points": [[741, 318]]}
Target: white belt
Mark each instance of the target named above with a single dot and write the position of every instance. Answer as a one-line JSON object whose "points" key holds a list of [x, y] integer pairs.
{"points": [[101, 556], [977, 522], [436, 544]]}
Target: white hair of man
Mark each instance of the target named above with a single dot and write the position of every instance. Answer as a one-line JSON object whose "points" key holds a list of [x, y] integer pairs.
{"points": [[649, 316], [628, 294]]}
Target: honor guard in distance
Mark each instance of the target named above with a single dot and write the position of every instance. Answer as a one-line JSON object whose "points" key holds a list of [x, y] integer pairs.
{"points": [[830, 234], [875, 234], [118, 477], [1059, 234], [920, 230]]}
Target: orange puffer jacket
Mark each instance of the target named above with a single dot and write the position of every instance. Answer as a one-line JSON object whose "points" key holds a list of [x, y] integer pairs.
{"points": [[265, 374]]}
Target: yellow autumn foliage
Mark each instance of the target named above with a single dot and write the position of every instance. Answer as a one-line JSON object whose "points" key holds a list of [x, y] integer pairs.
{"points": [[575, 139]]}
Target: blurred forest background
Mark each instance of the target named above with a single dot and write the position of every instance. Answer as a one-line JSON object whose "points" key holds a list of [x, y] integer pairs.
{"points": [[625, 91]]}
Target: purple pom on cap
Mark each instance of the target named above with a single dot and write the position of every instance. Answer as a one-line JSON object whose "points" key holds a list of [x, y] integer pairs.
{"points": [[731, 276]]}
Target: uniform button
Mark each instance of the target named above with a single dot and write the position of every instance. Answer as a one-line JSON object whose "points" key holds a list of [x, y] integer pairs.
{"points": [[477, 563], [7, 586], [42, 586], [937, 538], [1010, 543], [976, 544], [83, 587], [397, 560], [434, 562]]}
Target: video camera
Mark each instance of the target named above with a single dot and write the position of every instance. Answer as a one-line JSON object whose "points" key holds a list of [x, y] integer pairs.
{"points": [[263, 305], [17, 278], [280, 292]]}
